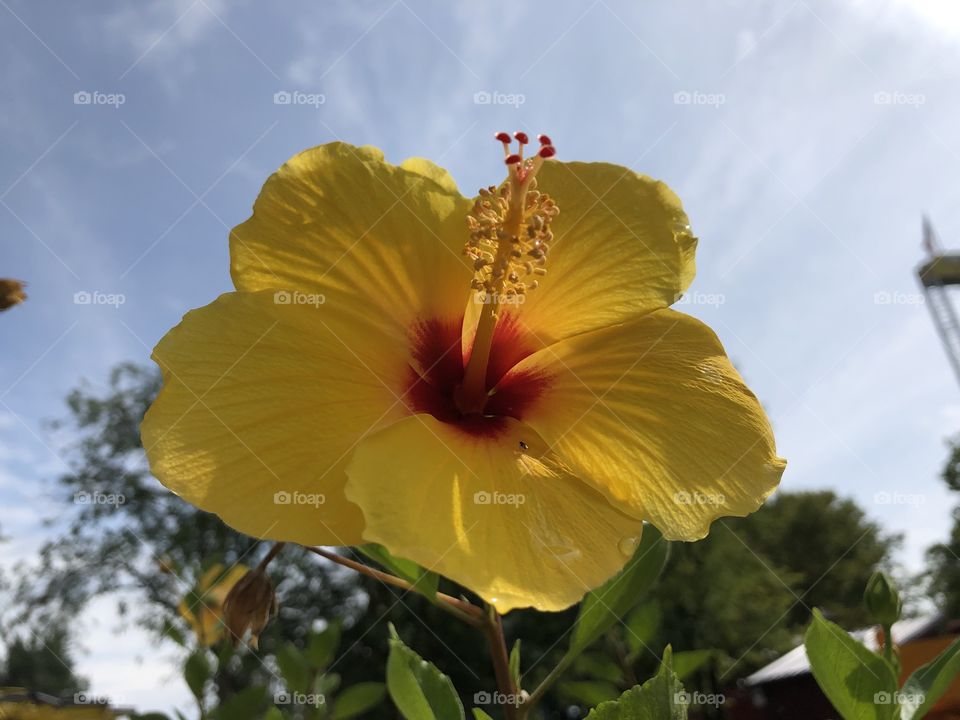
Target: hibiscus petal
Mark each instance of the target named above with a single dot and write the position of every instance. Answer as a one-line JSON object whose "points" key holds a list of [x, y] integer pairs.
{"points": [[654, 415], [622, 247], [261, 401], [490, 512], [385, 241]]}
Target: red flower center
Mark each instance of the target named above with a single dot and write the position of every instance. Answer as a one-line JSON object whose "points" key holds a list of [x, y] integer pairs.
{"points": [[436, 347]]}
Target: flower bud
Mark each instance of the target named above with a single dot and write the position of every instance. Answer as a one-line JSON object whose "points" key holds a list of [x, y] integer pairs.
{"points": [[249, 606], [882, 599], [11, 293], [202, 607]]}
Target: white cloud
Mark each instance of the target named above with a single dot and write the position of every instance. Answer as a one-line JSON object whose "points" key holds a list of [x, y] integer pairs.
{"points": [[938, 16], [129, 667], [164, 27]]}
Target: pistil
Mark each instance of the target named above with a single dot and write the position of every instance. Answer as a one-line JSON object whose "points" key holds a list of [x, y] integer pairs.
{"points": [[509, 241]]}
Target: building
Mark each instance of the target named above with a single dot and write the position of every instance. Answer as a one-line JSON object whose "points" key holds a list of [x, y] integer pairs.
{"points": [[786, 688]]}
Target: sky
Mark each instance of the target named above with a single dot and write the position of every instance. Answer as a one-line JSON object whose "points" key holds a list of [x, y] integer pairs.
{"points": [[806, 139]]}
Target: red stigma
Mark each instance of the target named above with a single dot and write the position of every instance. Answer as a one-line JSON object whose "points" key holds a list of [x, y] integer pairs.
{"points": [[521, 137], [544, 140], [503, 137], [547, 151], [512, 159]]}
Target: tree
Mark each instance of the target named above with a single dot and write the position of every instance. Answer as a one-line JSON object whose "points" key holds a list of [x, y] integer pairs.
{"points": [[943, 569], [827, 543], [951, 468], [943, 559], [42, 663]]}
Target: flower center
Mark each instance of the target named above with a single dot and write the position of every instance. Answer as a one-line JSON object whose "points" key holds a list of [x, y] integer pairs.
{"points": [[436, 350], [509, 241]]}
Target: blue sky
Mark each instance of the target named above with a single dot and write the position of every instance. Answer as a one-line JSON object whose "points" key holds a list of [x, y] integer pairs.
{"points": [[805, 137]]}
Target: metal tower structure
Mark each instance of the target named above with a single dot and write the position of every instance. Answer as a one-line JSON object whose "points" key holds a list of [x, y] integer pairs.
{"points": [[937, 274]]}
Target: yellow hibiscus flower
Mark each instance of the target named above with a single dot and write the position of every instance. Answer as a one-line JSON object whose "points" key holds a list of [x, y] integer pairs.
{"points": [[398, 366], [203, 607]]}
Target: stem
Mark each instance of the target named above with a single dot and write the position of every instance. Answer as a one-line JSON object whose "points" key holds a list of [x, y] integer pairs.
{"points": [[625, 666], [493, 629], [274, 551], [465, 611], [888, 643]]}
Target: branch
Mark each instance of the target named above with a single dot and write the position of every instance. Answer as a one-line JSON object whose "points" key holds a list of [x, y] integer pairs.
{"points": [[465, 611]]}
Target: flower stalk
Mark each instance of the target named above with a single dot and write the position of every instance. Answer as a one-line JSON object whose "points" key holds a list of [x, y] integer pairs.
{"points": [[463, 610], [268, 558], [493, 629]]}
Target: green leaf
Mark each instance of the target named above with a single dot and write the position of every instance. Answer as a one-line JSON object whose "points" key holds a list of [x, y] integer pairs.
{"points": [[273, 713], [659, 698], [587, 692], [322, 646], [247, 704], [196, 671], [294, 668], [598, 666], [688, 662], [515, 663], [860, 684], [479, 714], [928, 683], [425, 581], [603, 607], [358, 699], [327, 684], [225, 653], [173, 632], [642, 626], [419, 690]]}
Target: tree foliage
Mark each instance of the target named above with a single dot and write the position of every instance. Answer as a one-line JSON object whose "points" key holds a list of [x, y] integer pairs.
{"points": [[943, 559], [42, 663]]}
